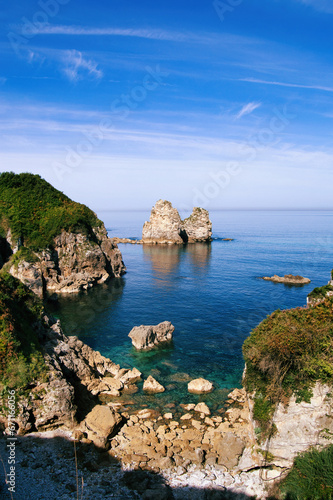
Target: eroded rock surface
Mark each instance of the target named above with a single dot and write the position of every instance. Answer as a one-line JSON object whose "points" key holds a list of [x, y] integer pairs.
{"points": [[76, 262], [288, 279], [148, 336], [151, 385], [166, 227]]}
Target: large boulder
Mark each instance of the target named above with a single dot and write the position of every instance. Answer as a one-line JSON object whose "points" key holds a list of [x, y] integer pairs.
{"points": [[100, 423], [148, 336], [165, 225], [199, 386]]}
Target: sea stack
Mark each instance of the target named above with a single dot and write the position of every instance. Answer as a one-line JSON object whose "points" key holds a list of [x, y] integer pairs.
{"points": [[166, 227]]}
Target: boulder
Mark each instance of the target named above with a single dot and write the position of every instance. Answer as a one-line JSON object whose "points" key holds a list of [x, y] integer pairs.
{"points": [[100, 424], [229, 449], [151, 385], [146, 337], [202, 408], [199, 386]]}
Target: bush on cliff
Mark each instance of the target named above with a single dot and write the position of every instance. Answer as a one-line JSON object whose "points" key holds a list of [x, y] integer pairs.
{"points": [[36, 212], [311, 477], [21, 359], [287, 353]]}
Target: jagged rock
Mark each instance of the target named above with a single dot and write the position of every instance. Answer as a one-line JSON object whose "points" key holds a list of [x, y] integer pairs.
{"points": [[76, 262], [197, 227], [100, 423], [166, 227], [202, 408], [230, 448], [146, 337], [199, 386], [151, 385], [129, 376]]}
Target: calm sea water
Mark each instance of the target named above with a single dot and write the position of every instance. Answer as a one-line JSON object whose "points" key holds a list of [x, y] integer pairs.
{"points": [[211, 293]]}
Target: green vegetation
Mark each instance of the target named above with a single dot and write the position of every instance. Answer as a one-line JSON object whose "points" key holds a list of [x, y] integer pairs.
{"points": [[36, 212], [320, 292], [21, 359], [311, 477], [286, 354]]}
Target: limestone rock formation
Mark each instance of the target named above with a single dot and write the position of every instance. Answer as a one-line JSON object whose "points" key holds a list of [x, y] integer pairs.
{"points": [[288, 279], [146, 337], [76, 262], [199, 386], [197, 227], [151, 385], [166, 227], [300, 426]]}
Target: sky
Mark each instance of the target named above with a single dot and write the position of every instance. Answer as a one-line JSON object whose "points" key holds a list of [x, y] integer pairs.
{"points": [[221, 104]]}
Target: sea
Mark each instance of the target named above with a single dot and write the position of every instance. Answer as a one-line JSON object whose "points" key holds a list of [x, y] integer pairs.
{"points": [[213, 294]]}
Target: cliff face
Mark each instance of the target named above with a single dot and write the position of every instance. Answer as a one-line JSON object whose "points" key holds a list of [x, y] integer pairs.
{"points": [[76, 262], [51, 243], [166, 227]]}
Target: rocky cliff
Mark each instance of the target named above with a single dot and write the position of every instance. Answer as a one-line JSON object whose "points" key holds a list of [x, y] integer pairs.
{"points": [[166, 227], [51, 243]]}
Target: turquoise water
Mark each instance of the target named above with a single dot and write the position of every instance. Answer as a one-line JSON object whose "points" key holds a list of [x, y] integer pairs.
{"points": [[211, 293]]}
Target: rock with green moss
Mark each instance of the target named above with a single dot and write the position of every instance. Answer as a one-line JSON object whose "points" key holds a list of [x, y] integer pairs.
{"points": [[51, 243]]}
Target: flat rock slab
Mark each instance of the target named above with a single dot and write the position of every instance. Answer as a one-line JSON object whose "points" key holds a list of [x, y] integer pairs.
{"points": [[288, 279]]}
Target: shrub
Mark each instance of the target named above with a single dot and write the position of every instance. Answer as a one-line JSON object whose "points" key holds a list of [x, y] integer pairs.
{"points": [[287, 353], [21, 359], [311, 477], [320, 292]]}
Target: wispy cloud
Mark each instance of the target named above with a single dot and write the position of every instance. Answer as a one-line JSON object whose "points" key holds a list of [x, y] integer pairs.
{"points": [[2, 80], [154, 34], [286, 84], [321, 5], [248, 109], [77, 67]]}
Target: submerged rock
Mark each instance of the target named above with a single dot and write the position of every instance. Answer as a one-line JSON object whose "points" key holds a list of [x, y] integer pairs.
{"points": [[148, 336], [166, 227]]}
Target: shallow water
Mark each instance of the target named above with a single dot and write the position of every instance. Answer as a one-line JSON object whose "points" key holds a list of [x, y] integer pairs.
{"points": [[210, 292]]}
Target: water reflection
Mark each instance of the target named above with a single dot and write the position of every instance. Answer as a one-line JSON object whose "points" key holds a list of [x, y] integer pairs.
{"points": [[166, 259], [80, 311]]}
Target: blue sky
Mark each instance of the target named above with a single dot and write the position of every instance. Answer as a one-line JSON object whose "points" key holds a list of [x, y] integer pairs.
{"points": [[223, 104]]}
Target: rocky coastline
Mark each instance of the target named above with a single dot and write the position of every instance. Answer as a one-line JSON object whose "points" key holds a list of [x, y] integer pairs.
{"points": [[216, 451]]}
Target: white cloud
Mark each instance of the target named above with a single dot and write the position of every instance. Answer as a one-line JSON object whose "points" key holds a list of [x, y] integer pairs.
{"points": [[248, 109], [286, 84], [321, 5], [77, 67]]}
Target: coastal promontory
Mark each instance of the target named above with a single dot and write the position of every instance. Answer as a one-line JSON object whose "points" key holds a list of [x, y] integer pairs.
{"points": [[49, 242], [165, 225]]}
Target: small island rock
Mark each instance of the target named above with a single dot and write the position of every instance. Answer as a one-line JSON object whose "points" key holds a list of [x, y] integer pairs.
{"points": [[148, 336], [166, 227], [202, 408], [151, 385], [288, 279], [199, 386]]}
